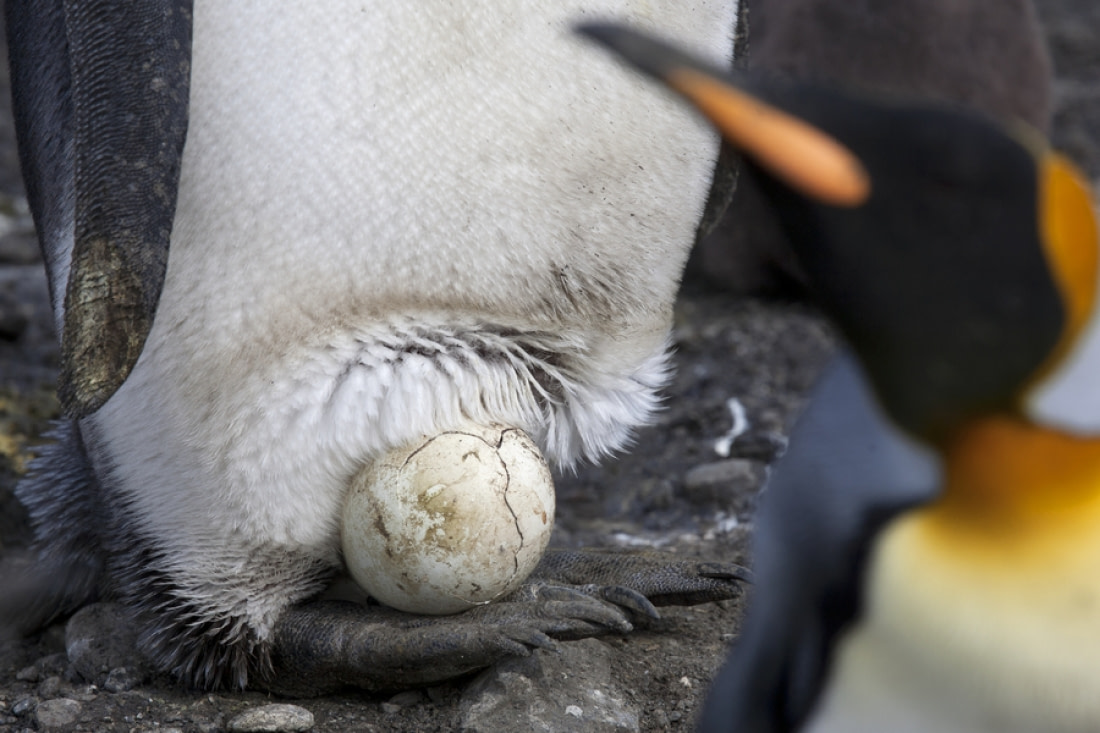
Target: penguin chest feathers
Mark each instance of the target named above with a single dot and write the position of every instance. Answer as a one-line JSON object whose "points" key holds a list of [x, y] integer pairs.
{"points": [[374, 158], [390, 220], [982, 610]]}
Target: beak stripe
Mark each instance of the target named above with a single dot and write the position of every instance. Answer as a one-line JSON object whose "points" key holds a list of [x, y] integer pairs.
{"points": [[801, 155]]}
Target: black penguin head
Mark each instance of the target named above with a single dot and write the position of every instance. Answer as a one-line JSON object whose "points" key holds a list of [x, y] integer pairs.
{"points": [[935, 238]]}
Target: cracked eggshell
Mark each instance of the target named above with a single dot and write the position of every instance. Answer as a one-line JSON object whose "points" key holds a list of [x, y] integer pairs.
{"points": [[450, 522]]}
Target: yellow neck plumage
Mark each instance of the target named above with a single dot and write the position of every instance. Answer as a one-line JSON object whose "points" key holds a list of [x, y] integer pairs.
{"points": [[1006, 478]]}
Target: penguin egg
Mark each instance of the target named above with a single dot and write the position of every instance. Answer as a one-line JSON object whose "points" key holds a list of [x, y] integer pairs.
{"points": [[449, 522]]}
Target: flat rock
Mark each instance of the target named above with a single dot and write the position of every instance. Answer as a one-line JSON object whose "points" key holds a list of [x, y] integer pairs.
{"points": [[550, 692], [728, 486], [59, 713], [730, 475], [49, 688], [276, 718]]}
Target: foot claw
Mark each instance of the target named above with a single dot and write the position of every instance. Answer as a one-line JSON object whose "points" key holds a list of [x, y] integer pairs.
{"points": [[572, 595], [623, 597]]}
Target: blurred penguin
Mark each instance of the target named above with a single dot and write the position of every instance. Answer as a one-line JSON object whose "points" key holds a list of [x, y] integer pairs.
{"points": [[990, 56]]}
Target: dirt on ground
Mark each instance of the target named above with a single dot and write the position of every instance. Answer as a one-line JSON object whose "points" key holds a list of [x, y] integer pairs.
{"points": [[675, 491]]}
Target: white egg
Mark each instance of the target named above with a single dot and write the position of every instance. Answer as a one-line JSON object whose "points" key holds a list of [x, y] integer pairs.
{"points": [[452, 521]]}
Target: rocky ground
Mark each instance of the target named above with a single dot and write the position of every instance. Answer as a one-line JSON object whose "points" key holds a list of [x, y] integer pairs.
{"points": [[675, 492]]}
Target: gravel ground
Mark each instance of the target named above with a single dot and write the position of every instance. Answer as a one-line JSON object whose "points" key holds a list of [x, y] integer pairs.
{"points": [[673, 492]]}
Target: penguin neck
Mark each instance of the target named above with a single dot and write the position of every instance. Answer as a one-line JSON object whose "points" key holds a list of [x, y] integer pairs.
{"points": [[1004, 474]]}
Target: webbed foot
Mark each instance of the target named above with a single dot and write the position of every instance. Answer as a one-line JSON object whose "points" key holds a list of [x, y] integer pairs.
{"points": [[641, 580], [328, 645], [573, 594]]}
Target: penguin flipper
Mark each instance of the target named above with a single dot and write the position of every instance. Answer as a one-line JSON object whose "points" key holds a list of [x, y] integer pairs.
{"points": [[100, 93], [848, 471]]}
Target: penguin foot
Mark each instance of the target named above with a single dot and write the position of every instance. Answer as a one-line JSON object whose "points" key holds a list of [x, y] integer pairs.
{"points": [[641, 580], [330, 645], [324, 646]]}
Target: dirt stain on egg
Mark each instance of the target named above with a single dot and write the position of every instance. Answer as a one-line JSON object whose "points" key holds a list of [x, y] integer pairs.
{"points": [[461, 518]]}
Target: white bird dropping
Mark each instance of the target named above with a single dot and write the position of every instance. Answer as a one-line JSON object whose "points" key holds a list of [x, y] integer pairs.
{"points": [[450, 521]]}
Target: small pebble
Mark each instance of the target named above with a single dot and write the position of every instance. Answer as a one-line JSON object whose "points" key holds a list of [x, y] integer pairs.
{"points": [[207, 725], [121, 679], [730, 474], [575, 711], [276, 718], [726, 486], [57, 713], [24, 706], [49, 687], [82, 693]]}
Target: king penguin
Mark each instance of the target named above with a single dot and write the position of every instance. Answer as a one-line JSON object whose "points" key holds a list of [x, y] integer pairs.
{"points": [[282, 243], [989, 56], [928, 551]]}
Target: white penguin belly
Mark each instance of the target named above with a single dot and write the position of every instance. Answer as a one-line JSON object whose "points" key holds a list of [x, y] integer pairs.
{"points": [[389, 217], [973, 637]]}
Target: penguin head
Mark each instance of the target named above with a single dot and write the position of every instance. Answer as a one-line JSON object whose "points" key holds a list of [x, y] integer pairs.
{"points": [[957, 255]]}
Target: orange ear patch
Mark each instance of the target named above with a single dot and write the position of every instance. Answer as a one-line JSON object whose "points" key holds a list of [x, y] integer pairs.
{"points": [[1070, 241], [800, 155]]}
